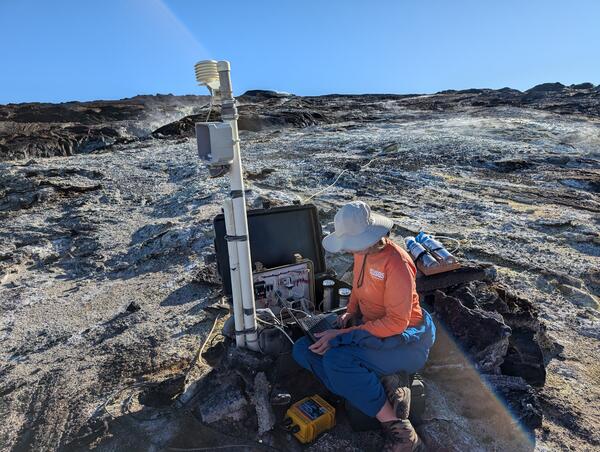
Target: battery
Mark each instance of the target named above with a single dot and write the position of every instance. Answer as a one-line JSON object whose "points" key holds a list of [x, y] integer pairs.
{"points": [[310, 417]]}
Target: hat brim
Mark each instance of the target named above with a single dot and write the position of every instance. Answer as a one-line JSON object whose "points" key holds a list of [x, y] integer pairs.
{"points": [[379, 226]]}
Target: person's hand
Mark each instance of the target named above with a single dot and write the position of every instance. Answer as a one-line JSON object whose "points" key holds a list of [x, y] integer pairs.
{"points": [[322, 345], [345, 319]]}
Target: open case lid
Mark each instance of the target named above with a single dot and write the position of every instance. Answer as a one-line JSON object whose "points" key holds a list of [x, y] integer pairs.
{"points": [[276, 234]]}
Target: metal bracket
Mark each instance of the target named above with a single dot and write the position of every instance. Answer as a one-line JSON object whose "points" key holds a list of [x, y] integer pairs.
{"points": [[246, 331], [239, 238], [229, 110]]}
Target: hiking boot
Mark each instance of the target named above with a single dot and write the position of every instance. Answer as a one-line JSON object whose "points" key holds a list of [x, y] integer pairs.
{"points": [[397, 391], [400, 436]]}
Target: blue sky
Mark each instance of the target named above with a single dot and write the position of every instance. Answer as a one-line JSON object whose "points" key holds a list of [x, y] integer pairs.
{"points": [[60, 50]]}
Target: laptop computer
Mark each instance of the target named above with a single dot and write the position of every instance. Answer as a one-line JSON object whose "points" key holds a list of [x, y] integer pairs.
{"points": [[317, 324]]}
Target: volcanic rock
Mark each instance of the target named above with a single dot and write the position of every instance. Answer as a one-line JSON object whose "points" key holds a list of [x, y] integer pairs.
{"points": [[585, 85], [222, 400], [261, 94], [46, 130], [483, 334], [546, 87], [510, 178], [520, 397], [133, 307]]}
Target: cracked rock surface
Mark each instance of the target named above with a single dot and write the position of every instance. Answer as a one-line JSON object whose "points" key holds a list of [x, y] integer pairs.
{"points": [[107, 279]]}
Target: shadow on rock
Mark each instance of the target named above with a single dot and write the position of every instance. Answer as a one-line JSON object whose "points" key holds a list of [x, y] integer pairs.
{"points": [[186, 294], [158, 247]]}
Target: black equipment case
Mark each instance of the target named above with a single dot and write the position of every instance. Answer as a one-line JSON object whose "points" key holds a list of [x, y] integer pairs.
{"points": [[276, 235]]}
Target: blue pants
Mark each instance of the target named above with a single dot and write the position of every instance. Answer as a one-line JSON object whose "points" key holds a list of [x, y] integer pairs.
{"points": [[352, 367]]}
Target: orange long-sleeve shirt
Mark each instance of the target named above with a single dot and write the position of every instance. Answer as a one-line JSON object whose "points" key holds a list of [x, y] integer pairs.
{"points": [[387, 298]]}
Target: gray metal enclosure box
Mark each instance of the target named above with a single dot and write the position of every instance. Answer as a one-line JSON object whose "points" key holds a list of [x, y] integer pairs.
{"points": [[215, 142]]}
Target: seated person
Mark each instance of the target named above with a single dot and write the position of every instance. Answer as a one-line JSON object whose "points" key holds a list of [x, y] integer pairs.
{"points": [[367, 363]]}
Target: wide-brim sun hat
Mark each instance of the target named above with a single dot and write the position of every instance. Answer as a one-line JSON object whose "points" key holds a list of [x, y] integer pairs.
{"points": [[356, 228]]}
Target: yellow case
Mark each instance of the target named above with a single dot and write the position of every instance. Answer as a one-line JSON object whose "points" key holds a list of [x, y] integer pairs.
{"points": [[313, 416]]}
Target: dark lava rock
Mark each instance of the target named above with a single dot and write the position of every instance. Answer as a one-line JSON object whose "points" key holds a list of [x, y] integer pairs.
{"points": [[469, 271], [260, 175], [222, 398], [528, 342], [520, 398], [162, 394], [524, 357], [472, 91], [134, 306], [53, 140], [207, 274], [547, 87], [482, 334], [352, 166], [72, 112], [509, 165], [31, 130], [554, 97], [26, 186], [507, 90], [246, 360], [585, 85], [528, 347], [255, 122], [185, 127], [48, 130], [250, 118], [263, 94]]}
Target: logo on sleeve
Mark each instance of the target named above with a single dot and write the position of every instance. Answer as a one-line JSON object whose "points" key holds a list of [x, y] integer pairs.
{"points": [[377, 274]]}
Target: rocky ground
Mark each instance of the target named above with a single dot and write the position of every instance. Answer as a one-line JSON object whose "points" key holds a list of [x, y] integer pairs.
{"points": [[107, 285]]}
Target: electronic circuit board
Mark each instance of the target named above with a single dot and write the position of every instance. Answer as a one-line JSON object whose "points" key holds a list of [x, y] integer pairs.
{"points": [[291, 282]]}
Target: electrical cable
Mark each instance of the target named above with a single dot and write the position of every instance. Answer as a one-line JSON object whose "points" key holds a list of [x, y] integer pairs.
{"points": [[275, 326], [268, 311], [278, 354], [210, 103], [291, 313], [340, 175], [285, 306], [297, 310], [281, 316], [326, 188], [452, 239], [198, 354], [154, 383], [258, 319], [311, 305], [212, 341]]}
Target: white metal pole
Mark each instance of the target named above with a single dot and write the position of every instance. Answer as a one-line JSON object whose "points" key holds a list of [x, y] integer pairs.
{"points": [[236, 291], [229, 113]]}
